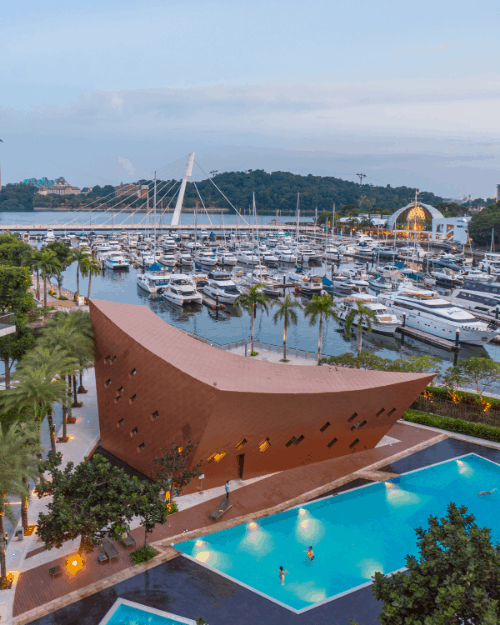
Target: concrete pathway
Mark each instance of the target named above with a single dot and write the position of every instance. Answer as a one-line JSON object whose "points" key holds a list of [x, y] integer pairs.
{"points": [[268, 356], [85, 435]]}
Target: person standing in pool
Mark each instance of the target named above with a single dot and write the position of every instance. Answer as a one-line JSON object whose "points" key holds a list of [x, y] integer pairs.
{"points": [[486, 492], [310, 554], [282, 574]]}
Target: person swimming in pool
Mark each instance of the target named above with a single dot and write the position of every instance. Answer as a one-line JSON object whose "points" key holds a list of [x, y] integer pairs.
{"points": [[310, 555], [282, 574], [486, 492]]}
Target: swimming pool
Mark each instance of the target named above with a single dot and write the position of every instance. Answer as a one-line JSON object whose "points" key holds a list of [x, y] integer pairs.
{"points": [[124, 612], [353, 534]]}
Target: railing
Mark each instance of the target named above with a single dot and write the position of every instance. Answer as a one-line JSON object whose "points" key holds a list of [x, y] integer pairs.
{"points": [[278, 349]]}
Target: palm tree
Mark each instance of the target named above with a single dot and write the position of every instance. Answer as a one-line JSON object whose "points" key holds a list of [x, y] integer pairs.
{"points": [[363, 315], [249, 301], [90, 267], [63, 363], [78, 256], [286, 313], [33, 260], [37, 388], [18, 463], [49, 265], [320, 307]]}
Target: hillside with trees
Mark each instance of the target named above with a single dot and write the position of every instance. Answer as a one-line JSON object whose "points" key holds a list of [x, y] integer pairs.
{"points": [[483, 223], [17, 198], [273, 191]]}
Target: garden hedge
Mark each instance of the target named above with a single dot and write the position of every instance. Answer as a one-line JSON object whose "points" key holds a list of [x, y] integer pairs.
{"points": [[468, 398], [487, 432]]}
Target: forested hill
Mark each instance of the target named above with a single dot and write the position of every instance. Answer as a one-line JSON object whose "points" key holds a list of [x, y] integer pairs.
{"points": [[278, 190], [275, 191]]}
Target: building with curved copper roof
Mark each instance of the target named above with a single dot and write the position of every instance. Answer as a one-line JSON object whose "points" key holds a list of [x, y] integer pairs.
{"points": [[156, 384]]}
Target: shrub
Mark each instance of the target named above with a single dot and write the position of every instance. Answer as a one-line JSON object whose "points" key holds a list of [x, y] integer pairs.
{"points": [[463, 397], [143, 554], [61, 297], [173, 508], [487, 432]]}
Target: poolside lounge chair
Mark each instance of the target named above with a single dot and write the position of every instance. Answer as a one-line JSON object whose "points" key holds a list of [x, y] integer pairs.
{"points": [[128, 541], [224, 506], [56, 571], [102, 557], [110, 550]]}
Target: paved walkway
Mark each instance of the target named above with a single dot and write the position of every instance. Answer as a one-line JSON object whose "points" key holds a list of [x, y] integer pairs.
{"points": [[268, 356], [85, 435]]}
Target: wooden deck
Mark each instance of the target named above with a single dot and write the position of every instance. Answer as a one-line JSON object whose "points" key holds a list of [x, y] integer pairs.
{"points": [[280, 491]]}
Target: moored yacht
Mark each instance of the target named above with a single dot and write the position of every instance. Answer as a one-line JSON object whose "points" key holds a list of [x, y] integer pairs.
{"points": [[205, 257], [220, 285], [181, 290], [116, 261], [386, 321], [226, 258], [478, 296], [152, 281], [430, 313]]}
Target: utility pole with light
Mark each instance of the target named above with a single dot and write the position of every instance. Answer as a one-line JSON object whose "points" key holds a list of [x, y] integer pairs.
{"points": [[361, 176]]}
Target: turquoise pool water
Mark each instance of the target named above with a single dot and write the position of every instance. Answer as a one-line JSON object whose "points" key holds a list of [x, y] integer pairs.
{"points": [[127, 615], [352, 534]]}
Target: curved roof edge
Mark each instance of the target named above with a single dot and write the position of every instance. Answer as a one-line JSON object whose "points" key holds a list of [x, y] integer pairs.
{"points": [[435, 213]]}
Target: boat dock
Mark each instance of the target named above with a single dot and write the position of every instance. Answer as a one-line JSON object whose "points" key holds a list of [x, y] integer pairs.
{"points": [[430, 339], [211, 303]]}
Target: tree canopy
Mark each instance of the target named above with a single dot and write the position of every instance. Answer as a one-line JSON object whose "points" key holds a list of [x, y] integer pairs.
{"points": [[483, 223]]}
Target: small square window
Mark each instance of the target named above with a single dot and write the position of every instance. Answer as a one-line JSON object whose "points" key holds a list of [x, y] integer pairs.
{"points": [[265, 445], [114, 359], [325, 427], [120, 390], [133, 398], [241, 443], [291, 442], [117, 399], [141, 447], [354, 443], [332, 443], [391, 412], [352, 418], [133, 372], [155, 415], [120, 423], [356, 425], [108, 382], [380, 412], [134, 432], [299, 440]]}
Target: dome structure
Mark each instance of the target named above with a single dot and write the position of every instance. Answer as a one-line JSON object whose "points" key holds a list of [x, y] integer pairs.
{"points": [[414, 218]]}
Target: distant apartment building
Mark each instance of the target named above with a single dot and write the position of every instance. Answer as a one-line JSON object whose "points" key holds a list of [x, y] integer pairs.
{"points": [[60, 189], [139, 190]]}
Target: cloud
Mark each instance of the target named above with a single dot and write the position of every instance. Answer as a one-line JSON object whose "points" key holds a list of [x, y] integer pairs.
{"points": [[125, 166]]}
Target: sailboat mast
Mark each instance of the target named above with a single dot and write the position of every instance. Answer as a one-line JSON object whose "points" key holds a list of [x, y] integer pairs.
{"points": [[298, 219], [154, 224]]}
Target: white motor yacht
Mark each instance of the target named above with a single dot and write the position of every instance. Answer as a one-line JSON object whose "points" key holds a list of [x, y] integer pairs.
{"points": [[205, 257], [491, 263], [227, 258], [478, 296], [116, 260], [181, 290], [387, 322], [220, 285], [153, 281], [169, 244], [430, 313], [247, 257], [270, 258], [307, 255], [50, 236], [167, 260], [332, 253], [285, 254], [309, 285], [185, 259]]}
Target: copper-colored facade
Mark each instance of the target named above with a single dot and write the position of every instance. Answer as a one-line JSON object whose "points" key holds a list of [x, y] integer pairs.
{"points": [[156, 384]]}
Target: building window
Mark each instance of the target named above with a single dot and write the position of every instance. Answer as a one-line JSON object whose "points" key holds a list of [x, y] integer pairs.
{"points": [[120, 390], [216, 456], [117, 399], [132, 373], [114, 359], [291, 442], [380, 412], [325, 427], [155, 415], [332, 443], [356, 425], [120, 423], [134, 432], [352, 418], [108, 382], [133, 398], [354, 443], [241, 443], [265, 445], [141, 447], [391, 412]]}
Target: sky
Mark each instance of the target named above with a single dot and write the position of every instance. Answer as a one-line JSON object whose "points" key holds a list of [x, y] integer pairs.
{"points": [[102, 92]]}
